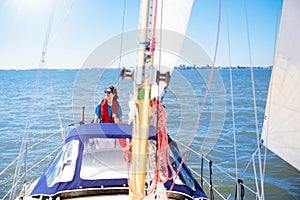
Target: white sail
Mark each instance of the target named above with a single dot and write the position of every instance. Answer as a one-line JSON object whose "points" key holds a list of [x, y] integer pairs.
{"points": [[281, 130], [172, 16], [171, 24]]}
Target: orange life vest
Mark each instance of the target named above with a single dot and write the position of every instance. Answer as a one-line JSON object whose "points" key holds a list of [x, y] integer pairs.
{"points": [[104, 111], [110, 119]]}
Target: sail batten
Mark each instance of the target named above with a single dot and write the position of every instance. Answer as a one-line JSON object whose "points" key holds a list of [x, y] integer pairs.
{"points": [[281, 130]]}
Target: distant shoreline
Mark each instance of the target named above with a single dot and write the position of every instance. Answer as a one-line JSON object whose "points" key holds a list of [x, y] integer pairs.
{"points": [[181, 67]]}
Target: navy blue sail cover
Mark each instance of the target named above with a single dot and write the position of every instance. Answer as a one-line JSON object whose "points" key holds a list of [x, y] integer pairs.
{"points": [[72, 156]]}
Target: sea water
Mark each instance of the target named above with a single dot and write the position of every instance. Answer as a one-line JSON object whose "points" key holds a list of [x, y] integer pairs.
{"points": [[36, 104]]}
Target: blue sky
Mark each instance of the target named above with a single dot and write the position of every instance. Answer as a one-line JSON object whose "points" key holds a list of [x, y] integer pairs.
{"points": [[90, 22]]}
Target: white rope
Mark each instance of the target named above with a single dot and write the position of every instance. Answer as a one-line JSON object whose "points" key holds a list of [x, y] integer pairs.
{"points": [[62, 23], [25, 134], [35, 144], [254, 105], [56, 107], [23, 146], [55, 150], [122, 33], [132, 110], [10, 164], [151, 161], [160, 192], [42, 59], [245, 186], [254, 170], [200, 155], [23, 175], [48, 75], [232, 105], [222, 170], [134, 116]]}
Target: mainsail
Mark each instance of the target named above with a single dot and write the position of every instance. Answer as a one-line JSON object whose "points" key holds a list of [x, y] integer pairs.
{"points": [[172, 20], [281, 130]]}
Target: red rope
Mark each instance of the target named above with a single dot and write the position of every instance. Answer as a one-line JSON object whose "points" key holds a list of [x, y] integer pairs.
{"points": [[162, 154], [204, 98], [127, 152]]}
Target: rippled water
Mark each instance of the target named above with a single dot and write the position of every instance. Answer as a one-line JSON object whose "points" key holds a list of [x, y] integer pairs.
{"points": [[60, 95]]}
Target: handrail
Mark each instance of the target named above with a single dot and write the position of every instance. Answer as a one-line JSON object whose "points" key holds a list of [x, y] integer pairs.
{"points": [[207, 182], [10, 165], [22, 153], [22, 176], [202, 157]]}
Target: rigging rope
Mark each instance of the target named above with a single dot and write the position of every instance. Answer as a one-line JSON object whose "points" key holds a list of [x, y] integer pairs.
{"points": [[23, 175], [205, 95], [56, 106], [61, 25], [160, 42], [222, 170], [23, 146], [254, 103], [41, 63], [30, 147], [232, 103], [67, 14], [122, 29], [254, 170], [244, 173]]}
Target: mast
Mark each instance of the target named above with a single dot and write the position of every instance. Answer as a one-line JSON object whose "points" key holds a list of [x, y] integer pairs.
{"points": [[142, 100]]}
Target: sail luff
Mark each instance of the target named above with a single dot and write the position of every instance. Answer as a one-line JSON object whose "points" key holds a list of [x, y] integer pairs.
{"points": [[281, 130], [172, 21]]}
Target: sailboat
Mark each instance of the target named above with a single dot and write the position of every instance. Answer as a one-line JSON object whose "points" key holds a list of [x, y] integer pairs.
{"points": [[147, 164], [79, 151]]}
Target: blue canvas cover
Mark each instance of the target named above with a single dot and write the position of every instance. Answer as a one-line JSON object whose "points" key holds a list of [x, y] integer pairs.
{"points": [[72, 156]]}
